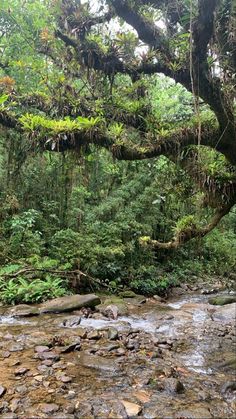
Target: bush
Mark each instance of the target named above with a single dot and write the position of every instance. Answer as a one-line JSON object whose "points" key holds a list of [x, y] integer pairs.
{"points": [[22, 290]]}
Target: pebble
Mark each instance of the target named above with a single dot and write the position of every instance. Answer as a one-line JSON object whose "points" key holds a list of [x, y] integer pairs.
{"points": [[41, 348], [49, 355], [21, 371]]}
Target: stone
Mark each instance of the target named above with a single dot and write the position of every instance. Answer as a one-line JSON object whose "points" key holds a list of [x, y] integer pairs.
{"points": [[75, 346], [65, 379], [94, 335], [73, 321], [21, 371], [49, 408], [132, 409], [41, 348], [112, 333], [49, 355], [228, 386], [111, 311], [69, 303], [222, 300], [127, 294], [172, 385], [2, 390], [97, 362], [158, 298], [24, 310], [193, 413]]}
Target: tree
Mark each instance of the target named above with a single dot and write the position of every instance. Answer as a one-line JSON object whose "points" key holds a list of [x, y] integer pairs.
{"points": [[91, 75]]}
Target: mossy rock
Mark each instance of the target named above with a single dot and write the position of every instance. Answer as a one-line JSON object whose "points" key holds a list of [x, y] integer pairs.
{"points": [[222, 300], [117, 301], [127, 294]]}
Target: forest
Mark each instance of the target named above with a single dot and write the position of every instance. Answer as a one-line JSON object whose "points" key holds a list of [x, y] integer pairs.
{"points": [[117, 209], [117, 145]]}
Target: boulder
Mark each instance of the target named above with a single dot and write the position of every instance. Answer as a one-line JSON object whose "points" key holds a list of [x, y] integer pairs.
{"points": [[222, 300], [23, 310], [69, 303]]}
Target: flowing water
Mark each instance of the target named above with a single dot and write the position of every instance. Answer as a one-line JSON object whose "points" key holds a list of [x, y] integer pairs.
{"points": [[173, 360]]}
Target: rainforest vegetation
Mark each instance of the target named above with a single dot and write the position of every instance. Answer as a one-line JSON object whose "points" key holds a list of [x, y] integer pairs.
{"points": [[117, 145]]}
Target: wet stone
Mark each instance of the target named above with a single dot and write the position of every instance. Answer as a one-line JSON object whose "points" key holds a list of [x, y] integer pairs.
{"points": [[72, 321], [2, 390]]}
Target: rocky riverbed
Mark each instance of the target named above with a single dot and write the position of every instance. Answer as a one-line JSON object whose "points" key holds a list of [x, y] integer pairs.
{"points": [[130, 357]]}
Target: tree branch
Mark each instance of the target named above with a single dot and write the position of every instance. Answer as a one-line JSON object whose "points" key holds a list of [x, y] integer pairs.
{"points": [[190, 233]]}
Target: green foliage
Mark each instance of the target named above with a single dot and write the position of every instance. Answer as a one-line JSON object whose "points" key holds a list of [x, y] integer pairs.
{"points": [[48, 126], [21, 290]]}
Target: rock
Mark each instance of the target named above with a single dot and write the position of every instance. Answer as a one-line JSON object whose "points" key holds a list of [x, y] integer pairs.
{"points": [[75, 346], [15, 347], [2, 390], [24, 310], [193, 413], [111, 312], [72, 322], [94, 335], [127, 294], [116, 301], [49, 408], [132, 409], [222, 300], [69, 303], [21, 371], [120, 352], [82, 333], [41, 348], [97, 362], [49, 355], [112, 333], [172, 385], [65, 379], [229, 386], [158, 298]]}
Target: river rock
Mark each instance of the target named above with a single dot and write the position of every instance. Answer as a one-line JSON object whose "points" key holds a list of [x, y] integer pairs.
{"points": [[132, 409], [2, 390], [111, 311], [24, 310], [228, 386], [49, 408], [69, 303], [73, 321], [172, 385], [112, 333], [94, 335], [127, 294], [97, 362], [222, 300]]}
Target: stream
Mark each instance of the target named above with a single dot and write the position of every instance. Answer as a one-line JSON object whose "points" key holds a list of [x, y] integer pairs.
{"points": [[157, 360]]}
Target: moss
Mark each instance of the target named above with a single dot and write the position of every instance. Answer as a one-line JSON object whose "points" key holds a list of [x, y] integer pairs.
{"points": [[222, 300]]}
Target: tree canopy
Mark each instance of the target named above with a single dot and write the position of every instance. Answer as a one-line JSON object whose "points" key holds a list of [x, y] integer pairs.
{"points": [[74, 75]]}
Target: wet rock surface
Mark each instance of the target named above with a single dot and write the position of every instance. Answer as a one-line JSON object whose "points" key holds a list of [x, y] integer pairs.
{"points": [[172, 359]]}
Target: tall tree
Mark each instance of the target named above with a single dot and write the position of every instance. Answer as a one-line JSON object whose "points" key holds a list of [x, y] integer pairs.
{"points": [[90, 77]]}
